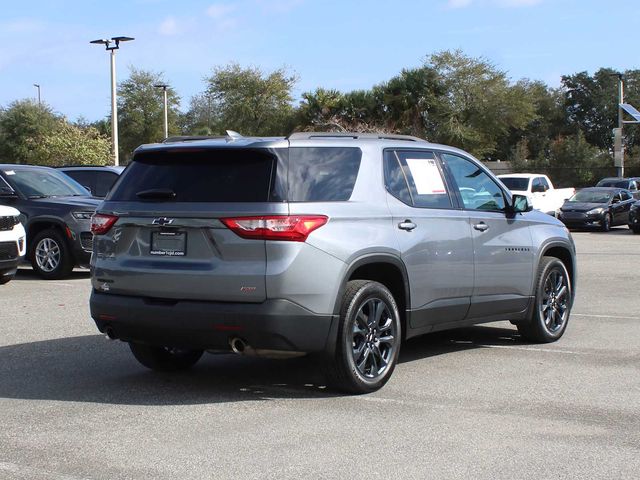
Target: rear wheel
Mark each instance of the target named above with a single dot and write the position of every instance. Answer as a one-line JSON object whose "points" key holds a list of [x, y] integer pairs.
{"points": [[165, 359], [552, 303], [369, 336], [635, 229]]}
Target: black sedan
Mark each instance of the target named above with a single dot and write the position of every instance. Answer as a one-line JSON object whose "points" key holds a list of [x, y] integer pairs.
{"points": [[600, 207], [634, 217]]}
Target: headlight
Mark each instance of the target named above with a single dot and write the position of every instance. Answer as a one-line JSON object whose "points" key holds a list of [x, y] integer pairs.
{"points": [[16, 220], [82, 215], [595, 211]]}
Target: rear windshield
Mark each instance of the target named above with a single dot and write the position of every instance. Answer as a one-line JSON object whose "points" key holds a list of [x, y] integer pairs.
{"points": [[211, 175], [613, 183], [515, 183], [326, 174]]}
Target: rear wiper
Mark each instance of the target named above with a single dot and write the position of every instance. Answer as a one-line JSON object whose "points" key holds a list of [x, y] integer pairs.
{"points": [[157, 193]]}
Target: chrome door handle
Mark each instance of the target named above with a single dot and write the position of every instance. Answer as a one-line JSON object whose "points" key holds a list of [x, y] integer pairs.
{"points": [[407, 225], [482, 227]]}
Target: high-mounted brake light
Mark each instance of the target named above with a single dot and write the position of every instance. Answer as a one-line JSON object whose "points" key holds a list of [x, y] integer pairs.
{"points": [[102, 223], [292, 228]]}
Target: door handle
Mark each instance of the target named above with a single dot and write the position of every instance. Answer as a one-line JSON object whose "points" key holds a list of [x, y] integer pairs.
{"points": [[407, 225], [481, 226]]}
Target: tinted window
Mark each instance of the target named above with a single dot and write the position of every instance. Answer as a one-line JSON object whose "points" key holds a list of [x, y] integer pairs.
{"points": [[544, 183], [394, 178], [515, 183], [84, 178], [625, 195], [322, 174], [477, 189], [103, 182], [206, 175], [423, 176], [591, 196]]}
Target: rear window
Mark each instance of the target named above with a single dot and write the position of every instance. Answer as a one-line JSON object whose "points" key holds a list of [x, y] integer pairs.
{"points": [[325, 174], [207, 175], [515, 183]]}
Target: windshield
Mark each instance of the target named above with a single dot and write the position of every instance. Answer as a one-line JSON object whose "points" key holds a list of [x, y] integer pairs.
{"points": [[515, 183], [591, 196], [36, 182]]}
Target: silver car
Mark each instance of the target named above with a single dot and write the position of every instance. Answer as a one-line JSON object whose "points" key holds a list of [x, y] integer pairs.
{"points": [[337, 244]]}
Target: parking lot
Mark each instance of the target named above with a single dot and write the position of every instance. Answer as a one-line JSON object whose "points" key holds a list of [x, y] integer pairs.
{"points": [[471, 403]]}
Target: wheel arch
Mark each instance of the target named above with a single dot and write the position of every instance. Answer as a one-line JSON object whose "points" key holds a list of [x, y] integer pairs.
{"points": [[565, 255]]}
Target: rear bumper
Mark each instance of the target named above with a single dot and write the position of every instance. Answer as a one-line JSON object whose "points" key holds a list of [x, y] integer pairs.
{"points": [[271, 325]]}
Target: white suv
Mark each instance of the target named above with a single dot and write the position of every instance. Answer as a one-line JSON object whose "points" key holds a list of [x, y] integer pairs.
{"points": [[12, 243]]}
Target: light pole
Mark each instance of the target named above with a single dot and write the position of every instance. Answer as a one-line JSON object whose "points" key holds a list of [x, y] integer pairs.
{"points": [[112, 45], [38, 87], [164, 87], [618, 147]]}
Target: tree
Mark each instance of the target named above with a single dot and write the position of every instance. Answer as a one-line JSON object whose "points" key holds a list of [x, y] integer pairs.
{"points": [[481, 105], [20, 123], [70, 144], [141, 111], [250, 101]]}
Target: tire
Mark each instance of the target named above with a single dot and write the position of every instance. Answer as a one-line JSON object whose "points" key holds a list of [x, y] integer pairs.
{"points": [[606, 222], [6, 278], [50, 255], [635, 229], [366, 352], [165, 359], [553, 301]]}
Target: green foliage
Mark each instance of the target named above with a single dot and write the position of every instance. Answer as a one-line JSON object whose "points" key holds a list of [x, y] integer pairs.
{"points": [[71, 144], [141, 111], [250, 101], [20, 123]]}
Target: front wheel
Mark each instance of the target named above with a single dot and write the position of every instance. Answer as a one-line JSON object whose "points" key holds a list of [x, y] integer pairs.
{"points": [[50, 255], [369, 336], [553, 303], [165, 359], [635, 229], [606, 222]]}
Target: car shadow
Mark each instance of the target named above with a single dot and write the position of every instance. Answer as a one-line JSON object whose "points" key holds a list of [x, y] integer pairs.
{"points": [[26, 273], [93, 369]]}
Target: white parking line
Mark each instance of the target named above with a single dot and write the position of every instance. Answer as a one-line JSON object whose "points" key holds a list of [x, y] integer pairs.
{"points": [[30, 472], [604, 316], [533, 349]]}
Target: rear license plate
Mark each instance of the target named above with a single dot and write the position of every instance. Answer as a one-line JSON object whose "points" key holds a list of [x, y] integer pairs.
{"points": [[168, 244]]}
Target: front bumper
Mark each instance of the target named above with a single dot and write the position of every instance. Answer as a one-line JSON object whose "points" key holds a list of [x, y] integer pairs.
{"points": [[272, 325], [581, 220]]}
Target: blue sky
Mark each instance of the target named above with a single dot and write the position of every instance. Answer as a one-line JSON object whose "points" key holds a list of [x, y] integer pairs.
{"points": [[334, 44]]}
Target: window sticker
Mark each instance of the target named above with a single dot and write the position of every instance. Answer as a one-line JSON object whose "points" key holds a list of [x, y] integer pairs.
{"points": [[9, 172], [426, 176]]}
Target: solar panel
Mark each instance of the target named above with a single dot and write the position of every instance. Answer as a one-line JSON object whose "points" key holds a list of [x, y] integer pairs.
{"points": [[631, 110]]}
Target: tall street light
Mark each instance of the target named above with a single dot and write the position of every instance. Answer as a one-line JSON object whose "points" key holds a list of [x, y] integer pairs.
{"points": [[164, 87], [618, 141], [38, 87], [112, 45]]}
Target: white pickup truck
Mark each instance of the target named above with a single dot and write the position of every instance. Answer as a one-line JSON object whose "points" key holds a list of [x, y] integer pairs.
{"points": [[538, 189]]}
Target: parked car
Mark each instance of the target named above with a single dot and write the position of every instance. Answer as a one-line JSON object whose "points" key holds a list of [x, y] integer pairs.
{"points": [[97, 179], [601, 207], [634, 217], [632, 184], [12, 239], [57, 217], [538, 189], [341, 245]]}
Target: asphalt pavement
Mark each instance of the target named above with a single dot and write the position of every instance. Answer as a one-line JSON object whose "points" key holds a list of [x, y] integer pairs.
{"points": [[470, 403]]}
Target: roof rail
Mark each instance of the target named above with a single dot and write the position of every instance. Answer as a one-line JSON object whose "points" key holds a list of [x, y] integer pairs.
{"points": [[190, 138], [353, 135]]}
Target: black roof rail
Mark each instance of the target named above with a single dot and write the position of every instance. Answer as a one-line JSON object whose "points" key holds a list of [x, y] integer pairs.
{"points": [[190, 138], [353, 135]]}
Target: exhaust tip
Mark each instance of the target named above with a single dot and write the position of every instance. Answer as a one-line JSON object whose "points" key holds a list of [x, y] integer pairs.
{"points": [[237, 345], [110, 333]]}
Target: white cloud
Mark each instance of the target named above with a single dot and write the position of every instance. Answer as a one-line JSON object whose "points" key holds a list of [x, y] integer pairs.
{"points": [[220, 11], [499, 3], [168, 27], [458, 3]]}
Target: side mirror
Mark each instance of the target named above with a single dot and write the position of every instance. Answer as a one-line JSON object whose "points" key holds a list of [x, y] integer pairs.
{"points": [[88, 189], [520, 204]]}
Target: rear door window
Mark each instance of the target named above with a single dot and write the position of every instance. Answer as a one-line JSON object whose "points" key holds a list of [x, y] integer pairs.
{"points": [[200, 175], [415, 178]]}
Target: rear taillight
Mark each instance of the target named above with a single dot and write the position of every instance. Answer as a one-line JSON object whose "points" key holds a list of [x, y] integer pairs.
{"points": [[102, 223], [293, 228]]}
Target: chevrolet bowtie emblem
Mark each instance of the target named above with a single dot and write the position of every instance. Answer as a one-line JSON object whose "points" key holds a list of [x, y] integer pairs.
{"points": [[162, 221]]}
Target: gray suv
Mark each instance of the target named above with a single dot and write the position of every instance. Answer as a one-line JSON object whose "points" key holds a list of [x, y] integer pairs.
{"points": [[336, 244]]}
